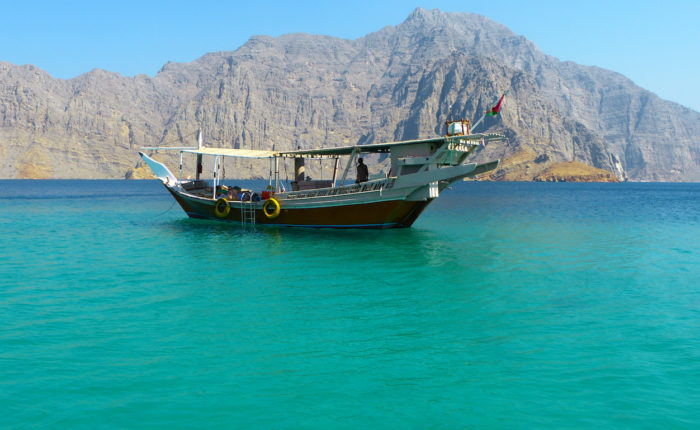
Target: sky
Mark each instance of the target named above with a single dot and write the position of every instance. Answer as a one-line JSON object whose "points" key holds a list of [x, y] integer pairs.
{"points": [[654, 43]]}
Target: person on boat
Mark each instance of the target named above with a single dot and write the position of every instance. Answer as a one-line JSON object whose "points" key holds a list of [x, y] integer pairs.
{"points": [[221, 190], [362, 172], [234, 192]]}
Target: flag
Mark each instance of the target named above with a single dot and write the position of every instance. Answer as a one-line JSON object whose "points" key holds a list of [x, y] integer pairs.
{"points": [[496, 109]]}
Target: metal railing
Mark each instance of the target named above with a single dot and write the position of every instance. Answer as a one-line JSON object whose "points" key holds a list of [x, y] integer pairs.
{"points": [[377, 185]]}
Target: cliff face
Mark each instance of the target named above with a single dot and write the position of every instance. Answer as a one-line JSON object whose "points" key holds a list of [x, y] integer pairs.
{"points": [[90, 126], [306, 91]]}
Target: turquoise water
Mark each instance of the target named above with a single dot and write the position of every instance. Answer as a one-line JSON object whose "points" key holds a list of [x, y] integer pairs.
{"points": [[507, 305]]}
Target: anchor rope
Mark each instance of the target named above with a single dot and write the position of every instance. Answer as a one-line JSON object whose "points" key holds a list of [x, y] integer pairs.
{"points": [[166, 211]]}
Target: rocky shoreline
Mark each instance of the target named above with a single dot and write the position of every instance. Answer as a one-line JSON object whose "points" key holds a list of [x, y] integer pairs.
{"points": [[573, 171]]}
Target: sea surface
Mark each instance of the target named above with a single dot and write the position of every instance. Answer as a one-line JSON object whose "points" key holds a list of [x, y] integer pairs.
{"points": [[507, 305]]}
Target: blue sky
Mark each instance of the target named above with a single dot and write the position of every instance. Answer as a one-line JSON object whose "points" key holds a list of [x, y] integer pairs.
{"points": [[654, 43]]}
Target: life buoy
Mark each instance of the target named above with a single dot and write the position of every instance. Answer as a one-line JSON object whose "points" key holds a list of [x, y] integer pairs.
{"points": [[222, 208], [266, 208]]}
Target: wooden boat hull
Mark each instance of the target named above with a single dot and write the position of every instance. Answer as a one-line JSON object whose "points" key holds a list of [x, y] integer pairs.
{"points": [[369, 214]]}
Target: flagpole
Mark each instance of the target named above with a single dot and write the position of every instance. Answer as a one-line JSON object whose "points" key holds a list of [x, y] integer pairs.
{"points": [[497, 108], [478, 122]]}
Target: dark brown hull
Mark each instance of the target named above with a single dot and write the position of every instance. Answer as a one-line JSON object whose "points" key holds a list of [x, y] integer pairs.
{"points": [[382, 214]]}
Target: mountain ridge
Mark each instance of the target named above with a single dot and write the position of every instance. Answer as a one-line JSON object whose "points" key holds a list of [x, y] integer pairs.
{"points": [[302, 90]]}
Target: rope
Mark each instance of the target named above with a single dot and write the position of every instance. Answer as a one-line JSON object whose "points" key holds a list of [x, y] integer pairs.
{"points": [[168, 210]]}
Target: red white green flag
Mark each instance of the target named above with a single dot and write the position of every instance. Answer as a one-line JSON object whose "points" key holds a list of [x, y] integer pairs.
{"points": [[496, 109]]}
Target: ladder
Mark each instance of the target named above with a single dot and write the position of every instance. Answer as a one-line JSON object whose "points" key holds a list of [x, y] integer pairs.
{"points": [[248, 212]]}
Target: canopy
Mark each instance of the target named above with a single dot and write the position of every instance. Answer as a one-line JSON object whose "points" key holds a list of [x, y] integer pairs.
{"points": [[385, 147], [347, 150], [230, 152], [330, 152]]}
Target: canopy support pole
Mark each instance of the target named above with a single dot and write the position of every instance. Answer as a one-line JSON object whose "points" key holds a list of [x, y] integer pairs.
{"points": [[270, 175], [277, 174], [199, 167], [216, 178], [347, 168], [335, 170]]}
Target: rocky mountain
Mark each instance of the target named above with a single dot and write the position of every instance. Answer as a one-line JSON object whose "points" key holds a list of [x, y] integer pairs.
{"points": [[303, 90]]}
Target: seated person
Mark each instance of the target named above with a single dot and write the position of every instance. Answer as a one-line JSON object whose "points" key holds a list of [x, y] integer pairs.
{"points": [[221, 190], [234, 193]]}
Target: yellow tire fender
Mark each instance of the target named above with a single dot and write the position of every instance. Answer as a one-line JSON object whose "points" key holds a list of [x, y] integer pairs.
{"points": [[222, 208], [275, 208]]}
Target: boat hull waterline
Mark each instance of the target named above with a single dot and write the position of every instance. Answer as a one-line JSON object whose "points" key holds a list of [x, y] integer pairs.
{"points": [[378, 214]]}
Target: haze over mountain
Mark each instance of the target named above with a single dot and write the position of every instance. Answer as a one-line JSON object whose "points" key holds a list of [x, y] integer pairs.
{"points": [[303, 90]]}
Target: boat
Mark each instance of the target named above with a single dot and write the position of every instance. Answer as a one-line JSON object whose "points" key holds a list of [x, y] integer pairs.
{"points": [[419, 171]]}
